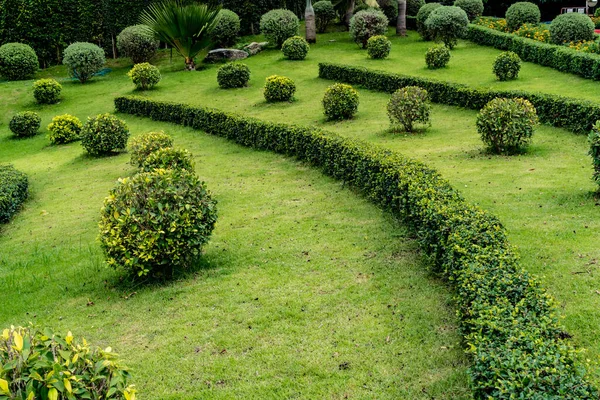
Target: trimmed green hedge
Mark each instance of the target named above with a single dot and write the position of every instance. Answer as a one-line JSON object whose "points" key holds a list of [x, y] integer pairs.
{"points": [[14, 189], [517, 346], [576, 115]]}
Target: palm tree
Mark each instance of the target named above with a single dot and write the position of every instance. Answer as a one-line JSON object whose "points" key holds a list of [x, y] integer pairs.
{"points": [[311, 23], [401, 21], [186, 28]]}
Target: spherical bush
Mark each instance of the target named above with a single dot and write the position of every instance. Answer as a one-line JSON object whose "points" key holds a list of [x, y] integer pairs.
{"points": [[169, 158], [379, 47], [324, 14], [407, 106], [507, 66], [83, 60], [571, 27], [413, 7], [422, 16], [25, 124], [521, 13], [448, 24], [437, 57], [340, 102], [506, 125], [104, 134], [233, 75], [227, 28], [473, 8], [18, 61], [47, 91], [295, 48], [64, 129], [138, 43], [141, 146], [366, 24], [144, 76], [279, 88], [279, 25]]}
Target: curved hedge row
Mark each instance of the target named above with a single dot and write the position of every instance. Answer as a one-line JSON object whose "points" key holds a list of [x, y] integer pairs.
{"points": [[14, 189], [563, 112], [516, 343]]}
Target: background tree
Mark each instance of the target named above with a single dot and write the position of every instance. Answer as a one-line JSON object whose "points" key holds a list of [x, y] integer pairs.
{"points": [[311, 23], [401, 21]]}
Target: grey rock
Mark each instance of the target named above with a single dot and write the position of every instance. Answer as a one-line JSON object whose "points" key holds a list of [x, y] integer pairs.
{"points": [[255, 48], [225, 55]]}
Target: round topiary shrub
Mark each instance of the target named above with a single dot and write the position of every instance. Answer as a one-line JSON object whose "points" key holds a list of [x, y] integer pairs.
{"points": [[144, 76], [169, 158], [227, 28], [324, 14], [422, 16], [279, 25], [25, 124], [448, 24], [145, 228], [379, 47], [571, 27], [138, 43], [437, 57], [295, 48], [18, 61], [104, 134], [507, 66], [413, 7], [506, 125], [64, 129], [521, 13], [473, 8], [83, 60], [141, 146], [46, 91], [279, 88], [340, 101], [407, 106], [15, 190], [233, 75], [366, 24]]}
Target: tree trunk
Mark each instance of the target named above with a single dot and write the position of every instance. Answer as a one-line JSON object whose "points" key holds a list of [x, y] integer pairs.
{"points": [[311, 23], [401, 21], [349, 12], [189, 64]]}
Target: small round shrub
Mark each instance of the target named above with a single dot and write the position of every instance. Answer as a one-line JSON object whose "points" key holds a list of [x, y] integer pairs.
{"points": [[83, 60], [138, 43], [422, 16], [473, 8], [104, 134], [408, 106], [340, 101], [594, 139], [46, 91], [324, 14], [507, 66], [506, 125], [521, 13], [141, 146], [448, 24], [18, 61], [279, 88], [379, 47], [15, 190], [64, 129], [366, 24], [25, 124], [233, 75], [144, 76], [227, 28], [571, 27], [279, 25], [437, 57], [295, 48], [145, 228], [413, 7], [169, 158]]}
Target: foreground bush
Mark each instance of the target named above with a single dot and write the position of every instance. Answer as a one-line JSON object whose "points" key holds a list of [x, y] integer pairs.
{"points": [[408, 106], [379, 47], [295, 48], [25, 124], [141, 146], [138, 43], [227, 28], [104, 134], [571, 27], [44, 365], [14, 190], [83, 60], [279, 88], [64, 129], [169, 158], [324, 14], [279, 25], [522, 13], [145, 228], [233, 75], [422, 16], [594, 139], [18, 61], [47, 91], [473, 8], [144, 76], [366, 24], [507, 66], [448, 24], [437, 57], [340, 101]]}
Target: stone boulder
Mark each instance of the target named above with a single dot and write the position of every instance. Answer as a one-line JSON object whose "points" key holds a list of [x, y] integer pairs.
{"points": [[254, 48], [219, 55]]}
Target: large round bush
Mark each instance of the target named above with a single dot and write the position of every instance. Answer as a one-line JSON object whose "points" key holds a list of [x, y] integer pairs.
{"points": [[413, 7], [340, 101], [295, 48], [25, 124], [64, 129], [169, 158], [279, 88], [47, 91], [279, 25], [571, 27], [473, 8], [138, 43], [422, 16], [227, 28], [437, 57], [379, 47], [156, 221], [83, 60], [324, 14], [448, 24], [407, 106], [366, 24], [233, 75], [144, 76], [104, 134], [141, 146], [18, 61], [507, 125], [507, 66], [521, 13]]}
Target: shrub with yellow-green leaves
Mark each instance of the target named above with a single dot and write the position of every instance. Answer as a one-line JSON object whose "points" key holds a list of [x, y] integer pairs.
{"points": [[47, 91], [279, 88], [143, 145], [169, 158], [64, 129]]}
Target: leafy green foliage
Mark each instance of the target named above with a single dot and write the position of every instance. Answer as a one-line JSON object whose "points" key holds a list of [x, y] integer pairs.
{"points": [[473, 8], [25, 124], [233, 75], [413, 7], [64, 129], [448, 24], [279, 25], [520, 13], [365, 24], [379, 47], [141, 146], [226, 29], [279, 88], [144, 76], [14, 190], [324, 14], [18, 61], [507, 66], [408, 106], [295, 48], [84, 60], [340, 101], [594, 139], [104, 134], [437, 57], [421, 19], [47, 91], [137, 42], [571, 27], [169, 158]]}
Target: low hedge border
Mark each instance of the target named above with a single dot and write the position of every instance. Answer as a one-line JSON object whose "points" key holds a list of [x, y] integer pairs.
{"points": [[14, 190], [517, 346], [562, 58], [575, 115]]}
